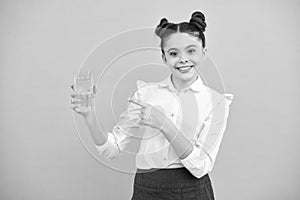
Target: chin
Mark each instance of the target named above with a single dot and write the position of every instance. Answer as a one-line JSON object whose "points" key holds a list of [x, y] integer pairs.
{"points": [[187, 76]]}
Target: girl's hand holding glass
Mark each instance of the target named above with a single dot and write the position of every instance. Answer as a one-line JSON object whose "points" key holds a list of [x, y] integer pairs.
{"points": [[83, 93]]}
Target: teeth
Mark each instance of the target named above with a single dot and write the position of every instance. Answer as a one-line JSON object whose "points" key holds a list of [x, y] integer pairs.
{"points": [[184, 68]]}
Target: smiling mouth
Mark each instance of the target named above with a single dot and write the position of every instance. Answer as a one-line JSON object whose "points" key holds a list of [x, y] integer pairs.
{"points": [[185, 68]]}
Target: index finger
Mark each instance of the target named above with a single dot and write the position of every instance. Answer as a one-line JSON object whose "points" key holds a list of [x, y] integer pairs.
{"points": [[72, 87], [138, 103]]}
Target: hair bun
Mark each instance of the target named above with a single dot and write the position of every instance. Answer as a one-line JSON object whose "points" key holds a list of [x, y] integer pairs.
{"points": [[163, 22], [198, 20], [159, 29]]}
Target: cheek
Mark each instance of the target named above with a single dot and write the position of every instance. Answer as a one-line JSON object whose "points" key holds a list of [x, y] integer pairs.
{"points": [[171, 68], [197, 59], [172, 61]]}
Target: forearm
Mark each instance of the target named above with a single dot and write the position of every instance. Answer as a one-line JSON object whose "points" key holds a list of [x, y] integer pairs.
{"points": [[182, 146], [98, 136]]}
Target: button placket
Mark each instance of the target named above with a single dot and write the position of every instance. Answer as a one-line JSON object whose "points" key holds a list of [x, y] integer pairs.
{"points": [[172, 111], [165, 155]]}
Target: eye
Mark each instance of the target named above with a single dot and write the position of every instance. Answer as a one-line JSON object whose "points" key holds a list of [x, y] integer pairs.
{"points": [[173, 54], [191, 50]]}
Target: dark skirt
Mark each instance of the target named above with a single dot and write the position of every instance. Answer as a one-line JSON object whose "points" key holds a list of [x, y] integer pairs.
{"points": [[171, 184]]}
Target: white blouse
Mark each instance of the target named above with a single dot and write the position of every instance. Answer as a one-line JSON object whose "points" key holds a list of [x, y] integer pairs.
{"points": [[199, 112]]}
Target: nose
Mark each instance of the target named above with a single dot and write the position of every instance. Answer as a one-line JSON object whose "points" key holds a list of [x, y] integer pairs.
{"points": [[182, 59]]}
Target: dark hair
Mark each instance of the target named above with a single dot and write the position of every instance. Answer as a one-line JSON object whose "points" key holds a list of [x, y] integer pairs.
{"points": [[196, 27]]}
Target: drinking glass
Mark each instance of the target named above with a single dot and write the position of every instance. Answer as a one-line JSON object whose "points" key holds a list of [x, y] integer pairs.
{"points": [[84, 89]]}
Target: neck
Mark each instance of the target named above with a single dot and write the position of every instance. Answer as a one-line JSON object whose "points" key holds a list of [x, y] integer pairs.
{"points": [[181, 84]]}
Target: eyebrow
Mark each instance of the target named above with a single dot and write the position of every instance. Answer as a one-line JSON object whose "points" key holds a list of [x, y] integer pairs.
{"points": [[185, 47]]}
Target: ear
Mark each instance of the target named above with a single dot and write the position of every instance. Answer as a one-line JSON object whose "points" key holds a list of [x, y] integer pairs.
{"points": [[163, 56], [204, 51]]}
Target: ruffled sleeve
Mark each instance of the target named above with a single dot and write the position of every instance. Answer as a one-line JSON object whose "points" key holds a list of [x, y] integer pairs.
{"points": [[201, 160]]}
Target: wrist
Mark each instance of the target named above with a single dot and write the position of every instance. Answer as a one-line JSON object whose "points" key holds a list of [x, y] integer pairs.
{"points": [[168, 127], [90, 117]]}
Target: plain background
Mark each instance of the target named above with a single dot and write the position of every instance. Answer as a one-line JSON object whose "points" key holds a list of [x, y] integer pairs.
{"points": [[255, 45]]}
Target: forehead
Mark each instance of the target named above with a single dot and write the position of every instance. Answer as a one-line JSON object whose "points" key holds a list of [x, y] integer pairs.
{"points": [[181, 40]]}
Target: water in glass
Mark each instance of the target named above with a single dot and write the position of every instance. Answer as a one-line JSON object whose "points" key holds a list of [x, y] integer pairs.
{"points": [[83, 85]]}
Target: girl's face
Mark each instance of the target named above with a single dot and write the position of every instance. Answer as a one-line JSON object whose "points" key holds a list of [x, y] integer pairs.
{"points": [[183, 53]]}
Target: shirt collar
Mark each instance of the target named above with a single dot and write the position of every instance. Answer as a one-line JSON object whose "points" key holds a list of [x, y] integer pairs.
{"points": [[196, 86]]}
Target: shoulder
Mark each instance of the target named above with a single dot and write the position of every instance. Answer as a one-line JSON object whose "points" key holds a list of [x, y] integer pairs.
{"points": [[219, 98], [146, 88], [142, 85], [220, 105]]}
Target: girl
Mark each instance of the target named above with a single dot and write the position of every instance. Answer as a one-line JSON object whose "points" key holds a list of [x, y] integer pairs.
{"points": [[184, 121]]}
